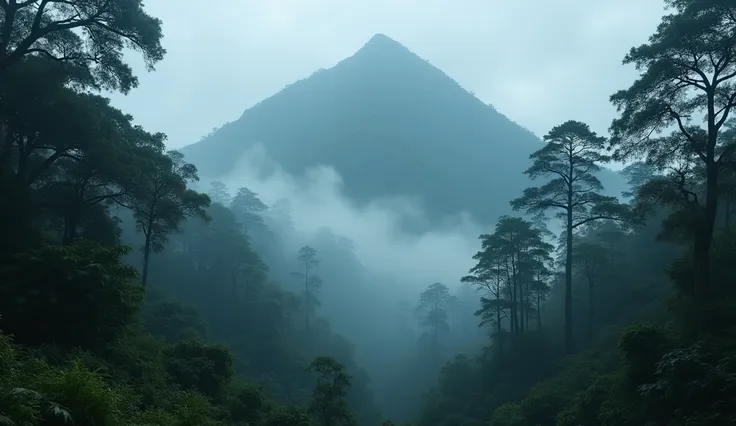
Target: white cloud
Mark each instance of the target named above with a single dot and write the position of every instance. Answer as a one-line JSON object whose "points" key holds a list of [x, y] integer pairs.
{"points": [[442, 255]]}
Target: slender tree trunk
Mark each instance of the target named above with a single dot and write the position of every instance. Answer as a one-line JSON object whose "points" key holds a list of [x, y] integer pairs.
{"points": [[704, 234], [520, 304], [591, 308], [499, 324], [704, 237], [569, 344], [499, 331], [434, 327], [71, 223], [517, 305], [6, 31], [539, 312], [727, 215], [512, 295], [146, 259], [527, 304], [307, 301], [67, 233], [517, 326]]}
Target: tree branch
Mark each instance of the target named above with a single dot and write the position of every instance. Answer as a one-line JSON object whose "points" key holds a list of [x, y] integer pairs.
{"points": [[100, 198], [686, 194], [726, 110], [39, 16], [40, 32], [596, 217]]}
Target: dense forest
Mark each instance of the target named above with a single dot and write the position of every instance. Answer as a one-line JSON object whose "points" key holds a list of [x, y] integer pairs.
{"points": [[134, 293]]}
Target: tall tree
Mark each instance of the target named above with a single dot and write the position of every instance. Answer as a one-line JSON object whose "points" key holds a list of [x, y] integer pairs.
{"points": [[540, 289], [87, 34], [433, 303], [637, 174], [688, 76], [219, 194], [510, 262], [162, 200], [453, 303], [249, 209], [590, 259], [329, 397], [73, 150], [308, 261], [488, 276], [570, 159]]}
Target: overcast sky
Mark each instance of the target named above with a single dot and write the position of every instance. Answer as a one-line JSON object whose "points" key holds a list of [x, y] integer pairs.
{"points": [[537, 61]]}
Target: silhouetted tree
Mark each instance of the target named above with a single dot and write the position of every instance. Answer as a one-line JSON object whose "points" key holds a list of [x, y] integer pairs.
{"points": [[161, 201], [433, 304], [329, 397], [590, 258], [218, 193], [688, 74], [307, 258], [570, 159], [89, 35]]}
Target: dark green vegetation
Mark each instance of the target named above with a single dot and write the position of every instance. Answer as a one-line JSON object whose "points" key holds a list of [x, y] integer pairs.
{"points": [[228, 317], [87, 339], [639, 326]]}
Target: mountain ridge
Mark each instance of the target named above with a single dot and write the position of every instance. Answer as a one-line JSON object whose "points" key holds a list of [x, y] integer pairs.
{"points": [[391, 124]]}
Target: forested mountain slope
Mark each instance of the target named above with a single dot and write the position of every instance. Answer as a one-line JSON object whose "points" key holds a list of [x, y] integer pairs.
{"points": [[129, 297], [391, 124]]}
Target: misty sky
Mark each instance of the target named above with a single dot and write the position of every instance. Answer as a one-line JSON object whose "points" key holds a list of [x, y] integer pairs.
{"points": [[538, 62]]}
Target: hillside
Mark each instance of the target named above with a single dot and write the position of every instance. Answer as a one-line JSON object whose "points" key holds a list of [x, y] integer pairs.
{"points": [[391, 124]]}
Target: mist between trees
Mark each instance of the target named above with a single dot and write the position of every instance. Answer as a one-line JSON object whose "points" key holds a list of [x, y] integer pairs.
{"points": [[132, 293]]}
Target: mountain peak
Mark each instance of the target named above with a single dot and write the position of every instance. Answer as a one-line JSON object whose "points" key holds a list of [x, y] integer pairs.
{"points": [[384, 108], [381, 43], [382, 38]]}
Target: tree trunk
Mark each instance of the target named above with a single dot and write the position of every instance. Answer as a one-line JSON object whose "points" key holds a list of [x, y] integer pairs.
{"points": [[527, 304], [499, 332], [71, 222], [591, 310], [307, 300], [704, 233], [499, 324], [6, 32], [727, 215], [539, 312], [704, 238], [569, 344], [512, 311], [146, 259]]}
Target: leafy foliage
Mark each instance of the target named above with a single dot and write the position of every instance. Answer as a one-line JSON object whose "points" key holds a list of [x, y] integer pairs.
{"points": [[41, 288], [89, 35], [211, 337], [78, 179]]}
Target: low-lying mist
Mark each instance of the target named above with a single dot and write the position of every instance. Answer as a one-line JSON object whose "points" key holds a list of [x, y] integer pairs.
{"points": [[372, 265], [381, 244]]}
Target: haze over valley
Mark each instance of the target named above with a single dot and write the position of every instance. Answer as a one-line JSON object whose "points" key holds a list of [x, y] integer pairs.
{"points": [[403, 214]]}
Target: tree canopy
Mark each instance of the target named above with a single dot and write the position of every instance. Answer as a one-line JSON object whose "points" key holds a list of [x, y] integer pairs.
{"points": [[87, 35]]}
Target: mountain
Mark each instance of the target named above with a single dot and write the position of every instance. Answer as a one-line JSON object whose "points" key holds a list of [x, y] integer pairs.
{"points": [[391, 124]]}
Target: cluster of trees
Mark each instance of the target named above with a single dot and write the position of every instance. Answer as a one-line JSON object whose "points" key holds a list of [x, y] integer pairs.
{"points": [[640, 329], [572, 333], [87, 338]]}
